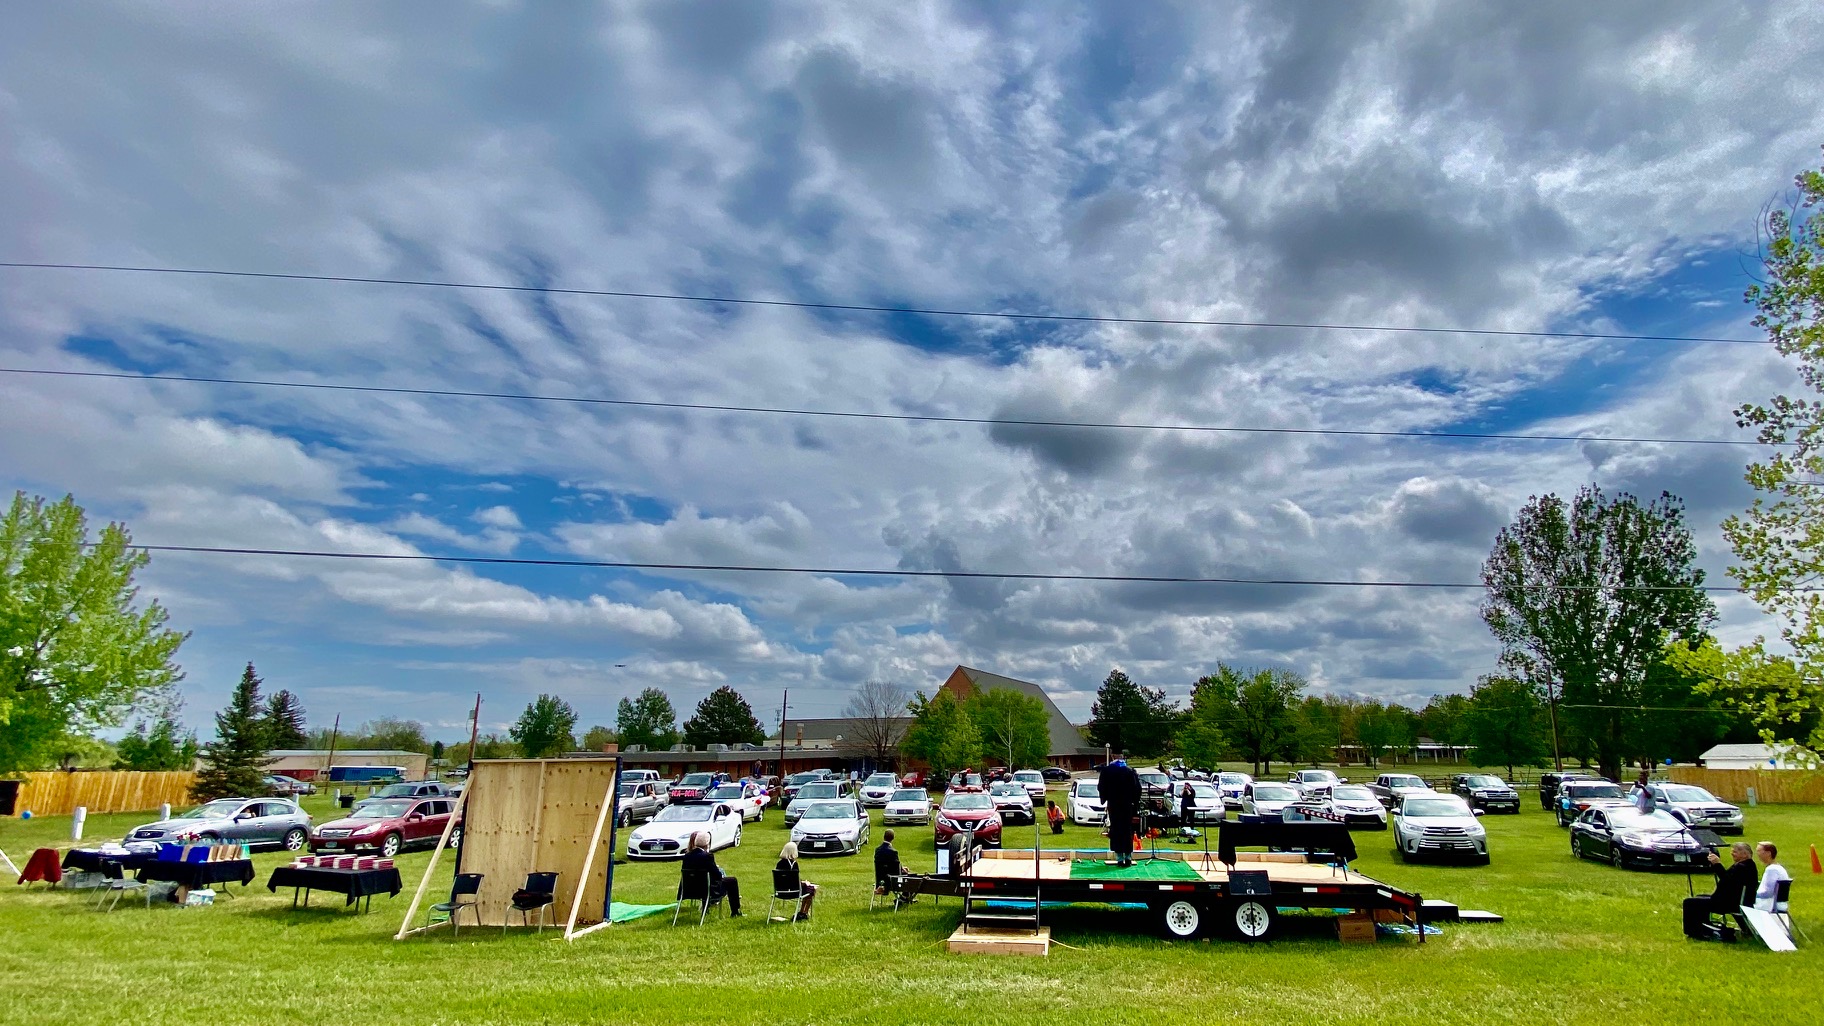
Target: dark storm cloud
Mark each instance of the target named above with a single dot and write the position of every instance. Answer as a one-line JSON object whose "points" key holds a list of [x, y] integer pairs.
{"points": [[1449, 512], [882, 128]]}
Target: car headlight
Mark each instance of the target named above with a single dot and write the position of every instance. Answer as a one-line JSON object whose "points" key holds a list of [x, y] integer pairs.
{"points": [[1635, 840]]}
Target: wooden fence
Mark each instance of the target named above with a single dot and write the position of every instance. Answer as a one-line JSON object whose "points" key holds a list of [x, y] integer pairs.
{"points": [[59, 794], [1780, 787]]}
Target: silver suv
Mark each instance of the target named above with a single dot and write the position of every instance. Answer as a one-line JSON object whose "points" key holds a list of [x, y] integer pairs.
{"points": [[1694, 806], [254, 821]]}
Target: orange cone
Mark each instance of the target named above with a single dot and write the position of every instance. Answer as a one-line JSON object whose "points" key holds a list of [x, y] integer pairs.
{"points": [[1816, 867]]}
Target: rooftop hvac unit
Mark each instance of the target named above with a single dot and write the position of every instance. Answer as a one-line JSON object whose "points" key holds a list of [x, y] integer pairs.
{"points": [[718, 748]]}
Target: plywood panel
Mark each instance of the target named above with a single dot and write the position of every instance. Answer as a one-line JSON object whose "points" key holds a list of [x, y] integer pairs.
{"points": [[536, 816], [1780, 787]]}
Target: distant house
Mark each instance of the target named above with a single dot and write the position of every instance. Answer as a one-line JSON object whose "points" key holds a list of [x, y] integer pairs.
{"points": [[1068, 748], [1755, 756]]}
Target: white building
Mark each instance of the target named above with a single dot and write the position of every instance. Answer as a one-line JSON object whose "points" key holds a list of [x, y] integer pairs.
{"points": [[1749, 757]]}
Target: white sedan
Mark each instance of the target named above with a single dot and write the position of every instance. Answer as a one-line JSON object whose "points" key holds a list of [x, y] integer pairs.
{"points": [[746, 799], [908, 805], [834, 827], [667, 835], [878, 788], [1085, 804]]}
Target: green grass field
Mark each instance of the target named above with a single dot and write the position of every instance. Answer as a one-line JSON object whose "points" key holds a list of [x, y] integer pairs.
{"points": [[1582, 943]]}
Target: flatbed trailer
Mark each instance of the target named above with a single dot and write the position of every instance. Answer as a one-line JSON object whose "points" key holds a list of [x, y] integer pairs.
{"points": [[1190, 893]]}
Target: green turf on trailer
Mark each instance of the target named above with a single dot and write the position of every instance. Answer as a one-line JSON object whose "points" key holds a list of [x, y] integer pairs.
{"points": [[1161, 870]]}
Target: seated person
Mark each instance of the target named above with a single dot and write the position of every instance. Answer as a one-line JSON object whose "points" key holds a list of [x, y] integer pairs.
{"points": [[699, 859], [788, 863], [1767, 895], [886, 864], [1734, 888]]}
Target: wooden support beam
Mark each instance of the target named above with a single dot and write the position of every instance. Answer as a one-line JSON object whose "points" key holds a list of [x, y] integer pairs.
{"points": [[436, 854], [595, 841]]}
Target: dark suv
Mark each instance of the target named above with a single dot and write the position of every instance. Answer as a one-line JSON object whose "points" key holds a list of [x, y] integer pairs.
{"points": [[1548, 786], [1486, 791]]}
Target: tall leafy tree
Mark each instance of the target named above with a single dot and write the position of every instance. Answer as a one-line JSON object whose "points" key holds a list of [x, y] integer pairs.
{"points": [[1506, 724], [647, 720], [165, 746], [285, 721], [723, 718], [1129, 718], [545, 727], [1201, 740], [389, 733], [877, 718], [597, 738], [234, 764], [942, 734], [1584, 597], [1378, 729], [1013, 726], [77, 649], [1258, 710], [1442, 718]]}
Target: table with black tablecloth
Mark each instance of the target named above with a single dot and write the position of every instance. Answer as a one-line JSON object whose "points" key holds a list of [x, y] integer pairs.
{"points": [[191, 875], [355, 883], [94, 860]]}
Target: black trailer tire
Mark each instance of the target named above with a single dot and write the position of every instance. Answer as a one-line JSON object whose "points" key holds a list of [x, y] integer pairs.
{"points": [[1181, 919], [1252, 921]]}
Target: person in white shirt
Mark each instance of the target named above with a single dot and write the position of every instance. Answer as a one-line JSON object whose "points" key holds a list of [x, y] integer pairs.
{"points": [[1764, 896]]}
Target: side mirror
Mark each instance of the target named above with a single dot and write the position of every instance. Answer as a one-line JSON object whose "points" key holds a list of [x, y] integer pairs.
{"points": [[1478, 813]]}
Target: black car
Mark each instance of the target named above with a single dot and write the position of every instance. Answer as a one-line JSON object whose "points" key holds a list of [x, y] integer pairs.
{"points": [[1626, 837], [1548, 786], [1056, 773], [1485, 791]]}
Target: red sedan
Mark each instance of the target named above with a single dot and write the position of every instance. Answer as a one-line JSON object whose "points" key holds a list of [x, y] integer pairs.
{"points": [[968, 811], [388, 826]]}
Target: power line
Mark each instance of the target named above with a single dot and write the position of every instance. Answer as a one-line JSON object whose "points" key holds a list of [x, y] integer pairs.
{"points": [[860, 415], [607, 564], [867, 308]]}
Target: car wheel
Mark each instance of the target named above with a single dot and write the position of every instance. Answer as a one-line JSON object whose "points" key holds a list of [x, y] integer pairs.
{"points": [[455, 840], [736, 843], [294, 838], [1253, 921], [1180, 920], [1576, 848], [390, 845], [1616, 860], [625, 819]]}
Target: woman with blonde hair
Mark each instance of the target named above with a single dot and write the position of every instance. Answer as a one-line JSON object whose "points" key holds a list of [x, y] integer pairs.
{"points": [[788, 863]]}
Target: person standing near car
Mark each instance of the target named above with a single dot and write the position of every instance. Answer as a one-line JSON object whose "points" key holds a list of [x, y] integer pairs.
{"points": [[1120, 787], [699, 859]]}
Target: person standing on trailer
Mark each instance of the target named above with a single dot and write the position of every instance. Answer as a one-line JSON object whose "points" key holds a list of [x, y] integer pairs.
{"points": [[1120, 787]]}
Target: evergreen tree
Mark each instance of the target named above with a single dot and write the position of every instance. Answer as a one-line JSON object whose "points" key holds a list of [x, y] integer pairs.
{"points": [[545, 728], [165, 747], [234, 764], [285, 721], [1129, 718], [724, 718]]}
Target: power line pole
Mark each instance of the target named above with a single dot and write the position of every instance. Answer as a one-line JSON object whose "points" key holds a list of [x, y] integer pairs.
{"points": [[784, 703]]}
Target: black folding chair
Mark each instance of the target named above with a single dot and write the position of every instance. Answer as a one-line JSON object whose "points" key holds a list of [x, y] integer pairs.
{"points": [[788, 886], [462, 895], [1782, 909], [694, 885], [887, 869], [120, 883], [538, 895]]}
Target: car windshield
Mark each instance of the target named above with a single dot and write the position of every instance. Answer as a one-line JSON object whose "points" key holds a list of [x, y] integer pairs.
{"points": [[731, 791], [1089, 790], [684, 814], [1235, 779], [882, 780], [1484, 780], [1435, 807], [831, 810], [696, 780], [219, 809], [1029, 777], [1273, 793], [1155, 779], [1655, 822], [967, 779], [396, 791], [1686, 793], [381, 810], [802, 778], [910, 794], [966, 802], [1315, 776], [1202, 789], [1604, 790], [1009, 790], [1405, 782], [1352, 793], [819, 790]]}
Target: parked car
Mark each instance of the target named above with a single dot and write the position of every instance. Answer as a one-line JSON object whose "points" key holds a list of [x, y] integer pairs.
{"points": [[1084, 803], [633, 776], [283, 786], [1155, 788], [1268, 799], [252, 821], [960, 781], [1485, 791], [693, 787], [1438, 824], [907, 805], [1232, 786], [1694, 806], [1574, 796], [1011, 801], [1624, 836], [667, 835], [1034, 783], [798, 780], [1357, 806], [1055, 774], [878, 788], [1313, 781], [1390, 788], [1206, 803], [747, 799], [388, 827], [815, 791], [1550, 782], [838, 827], [639, 801], [913, 779], [964, 811], [408, 789]]}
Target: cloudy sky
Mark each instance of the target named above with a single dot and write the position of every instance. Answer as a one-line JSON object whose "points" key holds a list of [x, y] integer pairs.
{"points": [[1548, 166]]}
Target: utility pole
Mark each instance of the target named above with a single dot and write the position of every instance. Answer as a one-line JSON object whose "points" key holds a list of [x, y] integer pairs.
{"points": [[784, 696], [334, 731], [474, 731], [1551, 708]]}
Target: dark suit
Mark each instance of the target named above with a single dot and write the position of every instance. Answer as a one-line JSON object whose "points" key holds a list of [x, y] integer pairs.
{"points": [[1734, 888], [886, 864], [1120, 787], [721, 885]]}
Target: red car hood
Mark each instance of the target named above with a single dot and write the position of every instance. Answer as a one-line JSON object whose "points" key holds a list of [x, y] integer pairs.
{"points": [[967, 815]]}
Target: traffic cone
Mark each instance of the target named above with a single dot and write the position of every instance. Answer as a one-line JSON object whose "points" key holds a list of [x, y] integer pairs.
{"points": [[1816, 867]]}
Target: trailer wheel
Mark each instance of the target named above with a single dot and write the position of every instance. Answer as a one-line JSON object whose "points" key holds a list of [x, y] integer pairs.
{"points": [[1253, 921], [1181, 920]]}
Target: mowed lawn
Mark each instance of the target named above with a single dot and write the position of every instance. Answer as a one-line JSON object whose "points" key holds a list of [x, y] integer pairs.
{"points": [[1582, 943]]}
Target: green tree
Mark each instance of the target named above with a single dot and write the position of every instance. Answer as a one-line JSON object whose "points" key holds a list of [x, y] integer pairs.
{"points": [[647, 720], [1769, 692], [389, 733], [544, 728], [285, 721], [597, 738], [1379, 728], [942, 734], [1013, 726], [76, 651], [1258, 710], [1129, 718], [1584, 596], [437, 751], [723, 718], [1442, 719], [165, 746], [234, 764], [1505, 724]]}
